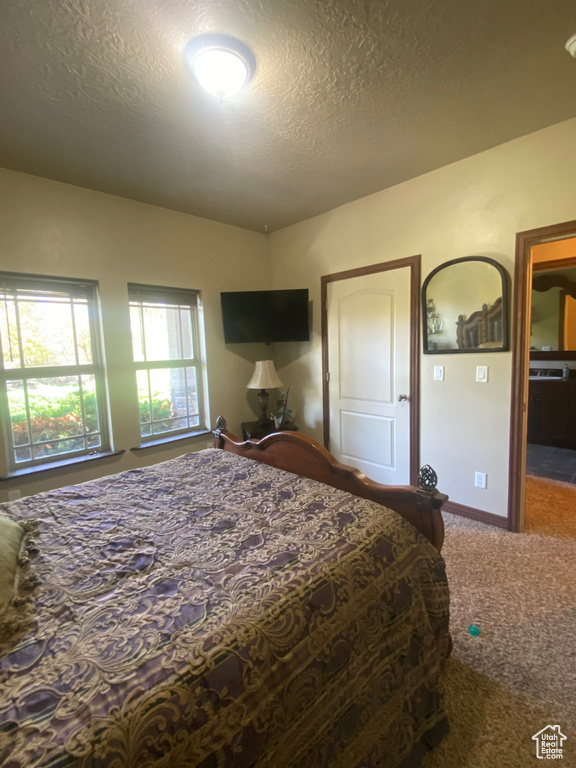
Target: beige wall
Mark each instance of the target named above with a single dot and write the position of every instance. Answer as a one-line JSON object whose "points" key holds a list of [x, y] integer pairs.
{"points": [[50, 228], [545, 319], [473, 207]]}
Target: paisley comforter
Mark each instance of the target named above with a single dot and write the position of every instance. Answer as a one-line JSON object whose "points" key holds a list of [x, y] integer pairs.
{"points": [[213, 611]]}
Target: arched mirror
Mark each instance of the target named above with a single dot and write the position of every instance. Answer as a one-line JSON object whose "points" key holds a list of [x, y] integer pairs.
{"points": [[553, 316], [465, 307]]}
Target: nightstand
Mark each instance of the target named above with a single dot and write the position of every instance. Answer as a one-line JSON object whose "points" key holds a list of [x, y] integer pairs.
{"points": [[251, 430]]}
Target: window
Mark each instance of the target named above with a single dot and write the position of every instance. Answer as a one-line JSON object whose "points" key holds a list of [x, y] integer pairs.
{"points": [[52, 398], [166, 345]]}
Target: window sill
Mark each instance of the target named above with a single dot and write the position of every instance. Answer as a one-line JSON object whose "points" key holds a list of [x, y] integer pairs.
{"points": [[174, 439], [62, 464]]}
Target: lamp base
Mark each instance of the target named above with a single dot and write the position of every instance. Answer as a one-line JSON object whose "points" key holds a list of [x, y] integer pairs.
{"points": [[263, 397]]}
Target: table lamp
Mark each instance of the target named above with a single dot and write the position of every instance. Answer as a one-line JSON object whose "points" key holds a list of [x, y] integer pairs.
{"points": [[263, 378]]}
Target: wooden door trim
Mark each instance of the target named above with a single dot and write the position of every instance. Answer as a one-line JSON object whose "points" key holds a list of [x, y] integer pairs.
{"points": [[414, 264], [520, 356], [541, 266]]}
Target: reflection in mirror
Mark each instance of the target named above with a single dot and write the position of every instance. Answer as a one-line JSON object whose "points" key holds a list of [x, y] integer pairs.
{"points": [[553, 316], [464, 304]]}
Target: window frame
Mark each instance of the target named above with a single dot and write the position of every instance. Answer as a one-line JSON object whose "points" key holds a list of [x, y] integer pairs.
{"points": [[15, 283], [139, 294]]}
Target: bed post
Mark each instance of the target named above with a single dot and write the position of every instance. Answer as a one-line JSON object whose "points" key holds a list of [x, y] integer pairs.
{"points": [[220, 427], [429, 501]]}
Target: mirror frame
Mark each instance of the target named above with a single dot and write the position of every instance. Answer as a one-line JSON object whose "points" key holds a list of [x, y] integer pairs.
{"points": [[559, 354], [505, 326]]}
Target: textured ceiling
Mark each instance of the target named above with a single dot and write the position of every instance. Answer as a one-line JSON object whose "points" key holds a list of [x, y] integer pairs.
{"points": [[349, 96]]}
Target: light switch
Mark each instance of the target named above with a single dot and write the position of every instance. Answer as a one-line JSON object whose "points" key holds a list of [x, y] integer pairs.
{"points": [[438, 373], [482, 374]]}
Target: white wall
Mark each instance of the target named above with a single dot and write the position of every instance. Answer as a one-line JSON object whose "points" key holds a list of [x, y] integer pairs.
{"points": [[55, 229], [473, 207]]}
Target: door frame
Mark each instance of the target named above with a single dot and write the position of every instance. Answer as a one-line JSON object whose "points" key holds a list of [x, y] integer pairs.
{"points": [[521, 359], [414, 264]]}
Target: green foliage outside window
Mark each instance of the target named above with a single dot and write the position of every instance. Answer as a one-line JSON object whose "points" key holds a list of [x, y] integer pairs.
{"points": [[161, 409], [53, 414]]}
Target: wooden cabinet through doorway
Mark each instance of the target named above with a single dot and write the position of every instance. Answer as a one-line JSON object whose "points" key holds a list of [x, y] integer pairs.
{"points": [[552, 413]]}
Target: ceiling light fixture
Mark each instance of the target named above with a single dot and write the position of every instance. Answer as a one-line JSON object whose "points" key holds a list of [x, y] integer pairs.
{"points": [[221, 64], [571, 46]]}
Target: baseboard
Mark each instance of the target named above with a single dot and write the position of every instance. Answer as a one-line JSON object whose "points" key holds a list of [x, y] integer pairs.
{"points": [[476, 514]]}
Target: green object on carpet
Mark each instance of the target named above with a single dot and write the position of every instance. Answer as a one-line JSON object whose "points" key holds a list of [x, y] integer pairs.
{"points": [[521, 590]]}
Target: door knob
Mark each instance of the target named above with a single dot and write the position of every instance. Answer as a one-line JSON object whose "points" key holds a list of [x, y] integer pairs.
{"points": [[401, 398]]}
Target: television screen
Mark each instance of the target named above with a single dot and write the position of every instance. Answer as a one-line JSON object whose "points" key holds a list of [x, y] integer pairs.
{"points": [[265, 316]]}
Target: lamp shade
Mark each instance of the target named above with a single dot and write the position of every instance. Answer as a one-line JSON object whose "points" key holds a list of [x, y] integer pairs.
{"points": [[264, 376]]}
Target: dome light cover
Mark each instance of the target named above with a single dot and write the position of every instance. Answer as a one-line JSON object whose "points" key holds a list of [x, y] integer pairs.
{"points": [[221, 64], [571, 46]]}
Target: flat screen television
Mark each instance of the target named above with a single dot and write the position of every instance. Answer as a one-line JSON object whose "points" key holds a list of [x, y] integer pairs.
{"points": [[265, 316]]}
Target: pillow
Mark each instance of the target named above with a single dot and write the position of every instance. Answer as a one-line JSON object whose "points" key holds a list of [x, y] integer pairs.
{"points": [[11, 542]]}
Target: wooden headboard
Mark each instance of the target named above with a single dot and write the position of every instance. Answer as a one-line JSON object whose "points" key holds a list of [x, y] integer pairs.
{"points": [[297, 453], [483, 329]]}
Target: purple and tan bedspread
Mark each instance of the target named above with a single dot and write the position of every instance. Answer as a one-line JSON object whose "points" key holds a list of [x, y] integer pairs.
{"points": [[214, 612]]}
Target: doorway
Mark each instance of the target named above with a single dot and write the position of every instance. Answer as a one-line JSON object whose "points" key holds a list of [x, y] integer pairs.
{"points": [[537, 414], [370, 362]]}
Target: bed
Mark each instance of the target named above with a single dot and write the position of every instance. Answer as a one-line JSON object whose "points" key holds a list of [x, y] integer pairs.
{"points": [[214, 611]]}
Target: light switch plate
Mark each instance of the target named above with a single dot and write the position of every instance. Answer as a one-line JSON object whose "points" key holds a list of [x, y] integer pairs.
{"points": [[438, 373], [482, 374]]}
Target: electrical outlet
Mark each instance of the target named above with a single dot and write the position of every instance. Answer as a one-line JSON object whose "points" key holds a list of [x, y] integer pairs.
{"points": [[481, 480], [438, 373], [14, 494]]}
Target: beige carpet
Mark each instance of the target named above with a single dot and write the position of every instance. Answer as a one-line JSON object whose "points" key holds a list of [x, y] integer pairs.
{"points": [[550, 507], [520, 674]]}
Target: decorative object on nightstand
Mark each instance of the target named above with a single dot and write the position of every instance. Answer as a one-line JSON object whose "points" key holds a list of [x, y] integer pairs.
{"points": [[264, 378], [282, 413]]}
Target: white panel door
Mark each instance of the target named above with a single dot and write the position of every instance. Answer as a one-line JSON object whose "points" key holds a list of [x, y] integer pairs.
{"points": [[369, 368]]}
